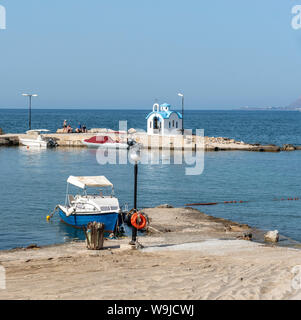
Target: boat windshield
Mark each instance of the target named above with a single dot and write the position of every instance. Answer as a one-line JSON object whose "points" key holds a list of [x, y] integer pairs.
{"points": [[72, 195], [88, 186], [102, 192]]}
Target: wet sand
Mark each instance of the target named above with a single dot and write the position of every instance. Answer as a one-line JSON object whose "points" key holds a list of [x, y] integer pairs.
{"points": [[186, 255]]}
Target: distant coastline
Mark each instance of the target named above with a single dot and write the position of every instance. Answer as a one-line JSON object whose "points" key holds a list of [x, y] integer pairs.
{"points": [[270, 109]]}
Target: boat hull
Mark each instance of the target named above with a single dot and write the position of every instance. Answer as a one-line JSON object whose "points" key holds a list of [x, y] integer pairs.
{"points": [[106, 145], [33, 143], [82, 220]]}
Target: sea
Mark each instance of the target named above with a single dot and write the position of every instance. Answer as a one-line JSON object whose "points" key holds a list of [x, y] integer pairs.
{"points": [[33, 182]]}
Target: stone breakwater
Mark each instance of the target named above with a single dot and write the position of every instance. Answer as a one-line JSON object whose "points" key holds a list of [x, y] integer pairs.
{"points": [[188, 142], [7, 141]]}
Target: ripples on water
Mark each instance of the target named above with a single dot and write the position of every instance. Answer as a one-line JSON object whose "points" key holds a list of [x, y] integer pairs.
{"points": [[264, 127], [34, 182]]}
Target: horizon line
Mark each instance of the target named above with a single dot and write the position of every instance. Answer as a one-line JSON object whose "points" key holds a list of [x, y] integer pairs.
{"points": [[128, 108]]}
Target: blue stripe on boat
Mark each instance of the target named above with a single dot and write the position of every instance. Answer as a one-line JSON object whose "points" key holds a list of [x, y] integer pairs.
{"points": [[79, 221]]}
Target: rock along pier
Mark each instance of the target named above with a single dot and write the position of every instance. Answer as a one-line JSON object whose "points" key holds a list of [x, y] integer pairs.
{"points": [[176, 142]]}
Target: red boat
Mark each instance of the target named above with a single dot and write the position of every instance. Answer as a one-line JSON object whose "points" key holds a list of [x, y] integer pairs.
{"points": [[105, 142]]}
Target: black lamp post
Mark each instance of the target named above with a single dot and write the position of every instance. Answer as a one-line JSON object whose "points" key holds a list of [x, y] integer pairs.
{"points": [[135, 156], [30, 98], [182, 96]]}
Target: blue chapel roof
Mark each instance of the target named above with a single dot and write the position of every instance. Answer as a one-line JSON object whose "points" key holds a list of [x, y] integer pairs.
{"points": [[165, 114]]}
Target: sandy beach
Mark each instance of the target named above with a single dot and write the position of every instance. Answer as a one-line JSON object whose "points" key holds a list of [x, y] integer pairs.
{"points": [[186, 255]]}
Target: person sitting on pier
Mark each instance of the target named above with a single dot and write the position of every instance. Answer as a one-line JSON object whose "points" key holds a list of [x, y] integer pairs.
{"points": [[79, 128], [65, 126], [69, 129]]}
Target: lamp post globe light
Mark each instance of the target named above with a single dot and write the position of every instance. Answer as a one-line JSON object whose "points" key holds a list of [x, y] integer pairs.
{"points": [[135, 156], [29, 95], [182, 96]]}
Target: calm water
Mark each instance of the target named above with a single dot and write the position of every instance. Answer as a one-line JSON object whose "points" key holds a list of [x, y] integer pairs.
{"points": [[34, 182], [250, 126]]}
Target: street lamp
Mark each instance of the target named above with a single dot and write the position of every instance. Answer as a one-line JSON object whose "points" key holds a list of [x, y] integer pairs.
{"points": [[135, 156], [182, 96], [30, 97]]}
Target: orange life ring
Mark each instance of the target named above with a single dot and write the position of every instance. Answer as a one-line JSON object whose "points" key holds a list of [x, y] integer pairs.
{"points": [[138, 225]]}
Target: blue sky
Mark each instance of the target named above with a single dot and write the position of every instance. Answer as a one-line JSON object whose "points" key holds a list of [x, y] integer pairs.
{"points": [[125, 54]]}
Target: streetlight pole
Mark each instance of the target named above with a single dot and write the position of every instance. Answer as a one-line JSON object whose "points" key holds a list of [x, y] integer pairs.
{"points": [[29, 116], [134, 231], [30, 98], [135, 156], [182, 96]]}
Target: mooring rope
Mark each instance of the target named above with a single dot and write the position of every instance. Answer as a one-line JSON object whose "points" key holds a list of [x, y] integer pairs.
{"points": [[236, 202], [52, 214]]}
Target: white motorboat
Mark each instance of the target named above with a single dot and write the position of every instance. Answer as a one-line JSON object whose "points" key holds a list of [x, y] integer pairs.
{"points": [[81, 209], [40, 141]]}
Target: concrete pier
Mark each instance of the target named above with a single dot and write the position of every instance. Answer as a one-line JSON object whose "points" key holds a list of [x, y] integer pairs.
{"points": [[176, 142], [9, 140]]}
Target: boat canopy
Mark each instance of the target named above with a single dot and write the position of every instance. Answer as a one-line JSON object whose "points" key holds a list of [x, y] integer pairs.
{"points": [[83, 182], [37, 130]]}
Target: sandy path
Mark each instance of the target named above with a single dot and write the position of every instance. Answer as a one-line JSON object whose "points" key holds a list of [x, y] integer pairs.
{"points": [[253, 272], [172, 266]]}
